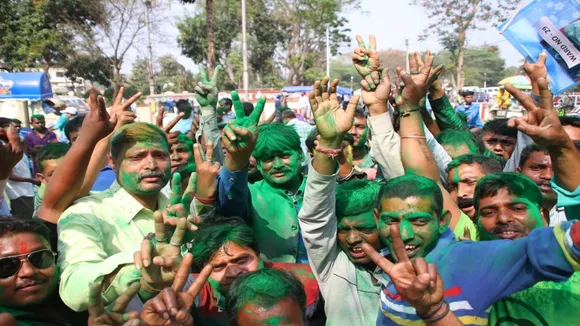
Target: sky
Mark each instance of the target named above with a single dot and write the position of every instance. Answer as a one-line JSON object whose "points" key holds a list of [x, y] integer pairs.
{"points": [[391, 21]]}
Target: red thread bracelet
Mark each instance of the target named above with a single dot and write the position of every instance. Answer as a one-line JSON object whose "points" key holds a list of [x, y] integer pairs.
{"points": [[330, 152], [205, 201]]}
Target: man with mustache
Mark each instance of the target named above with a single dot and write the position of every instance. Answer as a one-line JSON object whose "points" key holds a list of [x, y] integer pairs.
{"points": [[29, 276], [463, 174], [98, 235], [277, 199], [509, 206]]}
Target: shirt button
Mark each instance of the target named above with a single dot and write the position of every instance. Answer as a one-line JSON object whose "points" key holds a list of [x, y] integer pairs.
{"points": [[294, 227]]}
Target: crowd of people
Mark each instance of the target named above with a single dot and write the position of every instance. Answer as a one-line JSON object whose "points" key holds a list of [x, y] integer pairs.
{"points": [[379, 214]]}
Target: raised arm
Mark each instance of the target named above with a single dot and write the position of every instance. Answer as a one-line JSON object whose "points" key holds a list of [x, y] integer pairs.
{"points": [[543, 126], [317, 217], [68, 177], [376, 90], [415, 152], [206, 93]]}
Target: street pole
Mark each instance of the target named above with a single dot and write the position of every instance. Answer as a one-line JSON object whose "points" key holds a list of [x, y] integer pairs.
{"points": [[485, 80], [244, 51], [328, 52], [407, 67], [149, 48]]}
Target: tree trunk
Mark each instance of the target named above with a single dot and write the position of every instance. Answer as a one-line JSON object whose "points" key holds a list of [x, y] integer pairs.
{"points": [[117, 83], [210, 39], [459, 65]]}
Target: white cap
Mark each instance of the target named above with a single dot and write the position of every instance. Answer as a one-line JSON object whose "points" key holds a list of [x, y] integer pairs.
{"points": [[70, 110]]}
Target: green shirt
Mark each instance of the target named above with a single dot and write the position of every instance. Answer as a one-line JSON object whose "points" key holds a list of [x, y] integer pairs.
{"points": [[546, 303], [97, 235], [274, 219], [39, 196], [465, 221]]}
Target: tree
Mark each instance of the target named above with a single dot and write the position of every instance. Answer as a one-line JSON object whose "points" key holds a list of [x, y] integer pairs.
{"points": [[308, 21], [41, 33], [172, 76], [193, 33], [452, 20], [126, 22], [95, 68], [481, 63]]}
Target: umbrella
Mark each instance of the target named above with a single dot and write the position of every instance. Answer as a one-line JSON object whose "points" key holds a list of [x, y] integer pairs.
{"points": [[521, 82]]}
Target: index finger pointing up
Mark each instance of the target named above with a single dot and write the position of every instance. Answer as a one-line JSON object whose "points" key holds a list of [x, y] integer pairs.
{"points": [[398, 245], [377, 258], [361, 43]]}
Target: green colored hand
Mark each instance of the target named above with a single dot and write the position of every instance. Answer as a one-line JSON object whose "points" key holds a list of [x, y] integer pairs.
{"points": [[243, 130], [366, 62], [331, 120], [206, 92]]}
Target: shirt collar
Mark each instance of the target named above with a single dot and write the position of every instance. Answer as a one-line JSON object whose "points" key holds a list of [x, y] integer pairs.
{"points": [[299, 192], [126, 203]]}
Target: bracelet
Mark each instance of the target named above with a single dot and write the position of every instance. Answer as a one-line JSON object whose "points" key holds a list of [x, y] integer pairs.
{"points": [[408, 112], [148, 288], [206, 200], [330, 152], [429, 315], [413, 137], [433, 318]]}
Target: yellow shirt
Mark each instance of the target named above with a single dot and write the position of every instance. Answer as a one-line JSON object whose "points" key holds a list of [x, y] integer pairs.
{"points": [[97, 235]]}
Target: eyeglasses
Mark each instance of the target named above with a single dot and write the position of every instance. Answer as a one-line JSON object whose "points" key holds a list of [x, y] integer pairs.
{"points": [[41, 259]]}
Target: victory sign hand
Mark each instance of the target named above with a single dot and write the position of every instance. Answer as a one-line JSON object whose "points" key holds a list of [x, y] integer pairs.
{"points": [[541, 123], [416, 282], [173, 305], [159, 257], [366, 62], [206, 92], [100, 316]]}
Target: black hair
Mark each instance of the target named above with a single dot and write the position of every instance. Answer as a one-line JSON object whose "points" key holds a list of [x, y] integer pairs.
{"points": [[573, 121], [183, 105], [358, 113], [515, 183], [500, 127], [288, 114], [51, 151], [310, 140], [488, 165], [467, 93], [527, 152], [211, 236], [73, 125], [411, 185], [16, 121], [10, 226], [227, 101], [248, 108], [5, 122], [263, 288]]}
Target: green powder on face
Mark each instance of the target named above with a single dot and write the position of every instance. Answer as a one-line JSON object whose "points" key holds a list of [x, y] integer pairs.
{"points": [[276, 320]]}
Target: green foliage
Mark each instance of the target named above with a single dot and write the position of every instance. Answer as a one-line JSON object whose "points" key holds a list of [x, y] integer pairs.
{"points": [[282, 34], [95, 68], [40, 33], [172, 76], [452, 20], [479, 61]]}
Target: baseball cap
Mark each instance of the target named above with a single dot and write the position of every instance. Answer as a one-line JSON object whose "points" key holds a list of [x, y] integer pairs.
{"points": [[70, 110]]}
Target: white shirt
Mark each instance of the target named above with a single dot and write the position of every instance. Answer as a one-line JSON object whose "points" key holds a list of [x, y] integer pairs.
{"points": [[16, 189]]}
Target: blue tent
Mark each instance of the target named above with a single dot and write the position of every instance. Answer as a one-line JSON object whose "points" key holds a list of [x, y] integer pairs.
{"points": [[307, 89], [26, 86]]}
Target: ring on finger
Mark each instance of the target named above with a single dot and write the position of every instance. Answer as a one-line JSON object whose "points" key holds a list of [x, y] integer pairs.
{"points": [[175, 244]]}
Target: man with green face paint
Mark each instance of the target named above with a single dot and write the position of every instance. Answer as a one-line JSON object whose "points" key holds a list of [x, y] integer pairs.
{"points": [[475, 274], [337, 219], [277, 199], [509, 207], [98, 235]]}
